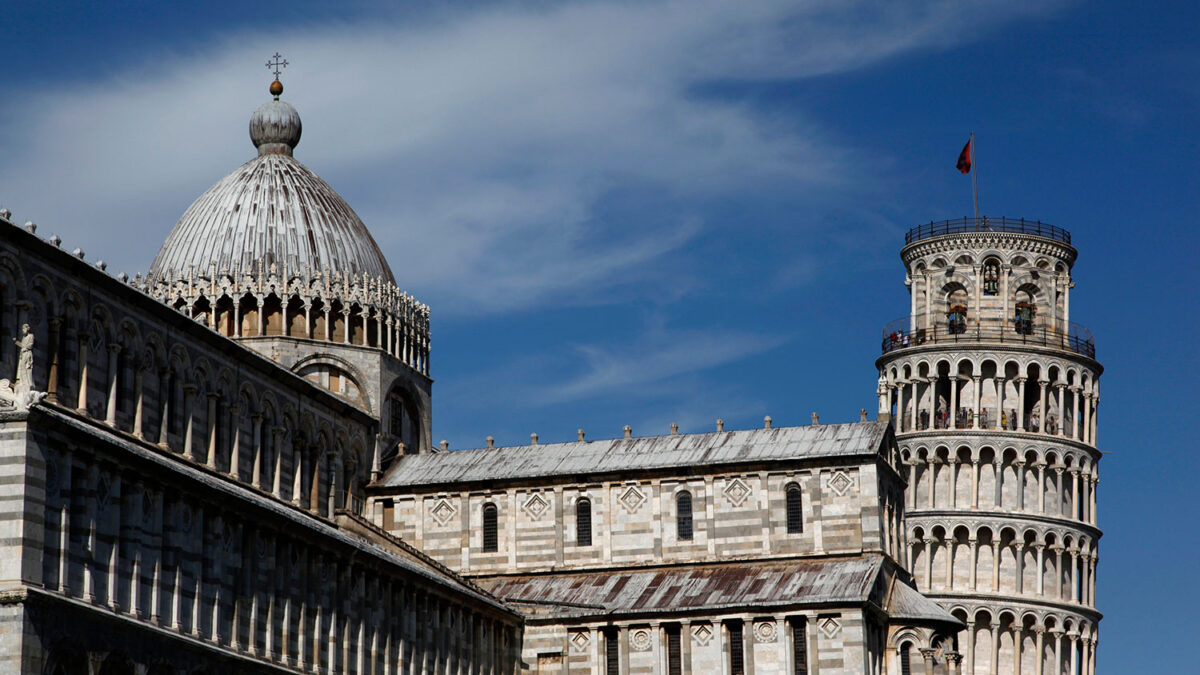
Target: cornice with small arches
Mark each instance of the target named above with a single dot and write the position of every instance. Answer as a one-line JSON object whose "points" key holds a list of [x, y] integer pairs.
{"points": [[1084, 538], [1001, 244], [1070, 621], [1044, 357], [923, 447]]}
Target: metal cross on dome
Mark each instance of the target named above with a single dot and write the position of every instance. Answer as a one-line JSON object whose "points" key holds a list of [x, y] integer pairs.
{"points": [[277, 64]]}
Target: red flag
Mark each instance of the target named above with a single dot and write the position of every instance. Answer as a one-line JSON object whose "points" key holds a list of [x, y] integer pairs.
{"points": [[964, 158]]}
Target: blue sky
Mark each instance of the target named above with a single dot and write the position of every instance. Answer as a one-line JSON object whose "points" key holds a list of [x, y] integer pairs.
{"points": [[655, 212]]}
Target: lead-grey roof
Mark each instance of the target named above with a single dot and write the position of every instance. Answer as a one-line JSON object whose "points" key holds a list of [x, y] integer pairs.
{"points": [[275, 210], [632, 454]]}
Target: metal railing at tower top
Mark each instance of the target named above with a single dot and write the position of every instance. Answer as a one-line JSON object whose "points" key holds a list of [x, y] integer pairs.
{"points": [[984, 224], [1071, 336]]}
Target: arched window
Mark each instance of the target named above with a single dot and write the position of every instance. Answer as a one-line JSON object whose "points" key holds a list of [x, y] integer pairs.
{"points": [[991, 277], [583, 522], [683, 516], [906, 659], [490, 537], [795, 509]]}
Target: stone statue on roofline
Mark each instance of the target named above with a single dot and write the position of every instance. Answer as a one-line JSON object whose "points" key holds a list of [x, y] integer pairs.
{"points": [[20, 394]]}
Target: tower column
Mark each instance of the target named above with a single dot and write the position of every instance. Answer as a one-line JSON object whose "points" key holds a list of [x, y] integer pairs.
{"points": [[1041, 568], [1021, 403], [974, 483], [998, 423], [1061, 422], [1018, 635], [932, 391], [974, 575], [1040, 634], [995, 565], [1043, 385], [975, 417], [1041, 469], [952, 420]]}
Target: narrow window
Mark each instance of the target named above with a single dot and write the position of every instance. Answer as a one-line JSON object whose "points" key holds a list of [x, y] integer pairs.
{"points": [[795, 509], [737, 662], [800, 646], [674, 651], [583, 522], [490, 541], [612, 653], [905, 659], [683, 516]]}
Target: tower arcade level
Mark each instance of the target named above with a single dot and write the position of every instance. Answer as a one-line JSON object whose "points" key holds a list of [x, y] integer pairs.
{"points": [[993, 393]]}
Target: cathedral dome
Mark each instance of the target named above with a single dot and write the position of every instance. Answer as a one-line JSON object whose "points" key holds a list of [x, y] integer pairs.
{"points": [[271, 210]]}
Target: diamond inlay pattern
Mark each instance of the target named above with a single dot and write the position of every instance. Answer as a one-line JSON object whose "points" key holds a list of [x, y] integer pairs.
{"points": [[737, 492]]}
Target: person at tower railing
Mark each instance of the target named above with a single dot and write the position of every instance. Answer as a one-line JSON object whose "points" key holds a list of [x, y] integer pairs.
{"points": [[956, 320]]}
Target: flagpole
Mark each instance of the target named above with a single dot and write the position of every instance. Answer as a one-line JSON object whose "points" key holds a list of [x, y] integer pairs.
{"points": [[974, 180]]}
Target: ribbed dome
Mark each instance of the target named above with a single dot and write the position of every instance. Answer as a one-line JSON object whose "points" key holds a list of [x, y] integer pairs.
{"points": [[271, 209]]}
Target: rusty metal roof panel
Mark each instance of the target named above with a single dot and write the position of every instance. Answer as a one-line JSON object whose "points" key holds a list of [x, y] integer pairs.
{"points": [[697, 587], [647, 453]]}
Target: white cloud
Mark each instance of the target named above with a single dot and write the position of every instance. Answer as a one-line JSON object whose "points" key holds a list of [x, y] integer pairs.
{"points": [[479, 146]]}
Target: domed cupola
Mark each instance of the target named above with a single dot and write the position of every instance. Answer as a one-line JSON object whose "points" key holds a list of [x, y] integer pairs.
{"points": [[272, 211], [272, 252]]}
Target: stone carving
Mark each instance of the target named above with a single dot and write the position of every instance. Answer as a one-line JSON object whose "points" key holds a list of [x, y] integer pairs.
{"points": [[20, 394], [535, 506], [737, 492], [580, 640], [765, 631], [840, 482], [702, 634], [640, 640], [632, 499], [830, 627], [443, 511]]}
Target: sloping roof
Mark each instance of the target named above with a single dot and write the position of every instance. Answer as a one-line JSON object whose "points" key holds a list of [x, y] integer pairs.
{"points": [[905, 603], [699, 588], [626, 454]]}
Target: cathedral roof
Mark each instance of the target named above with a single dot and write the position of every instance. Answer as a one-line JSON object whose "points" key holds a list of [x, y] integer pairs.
{"points": [[719, 587], [272, 210], [637, 454]]}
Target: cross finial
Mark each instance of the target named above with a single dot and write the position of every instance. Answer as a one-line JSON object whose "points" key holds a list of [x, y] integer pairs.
{"points": [[277, 64]]}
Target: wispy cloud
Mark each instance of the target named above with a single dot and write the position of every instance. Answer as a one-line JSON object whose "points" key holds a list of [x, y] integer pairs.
{"points": [[482, 145]]}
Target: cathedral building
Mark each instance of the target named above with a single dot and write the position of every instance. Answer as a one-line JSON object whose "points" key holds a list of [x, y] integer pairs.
{"points": [[225, 466]]}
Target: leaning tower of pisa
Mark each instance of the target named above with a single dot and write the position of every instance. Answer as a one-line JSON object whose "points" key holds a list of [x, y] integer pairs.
{"points": [[993, 393]]}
